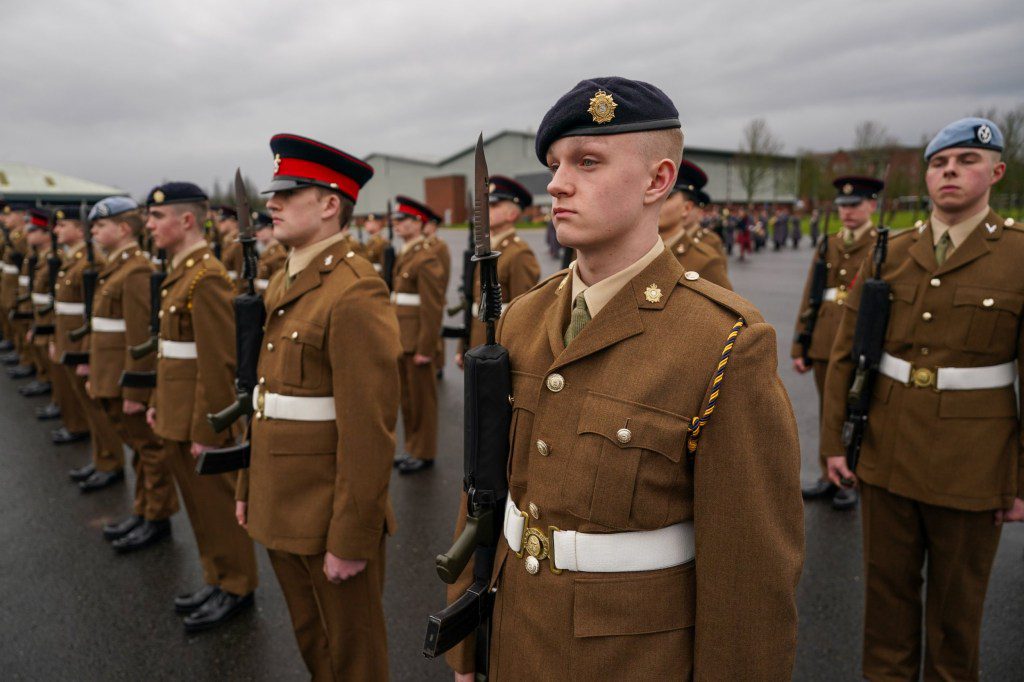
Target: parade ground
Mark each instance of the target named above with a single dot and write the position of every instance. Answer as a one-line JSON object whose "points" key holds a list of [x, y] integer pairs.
{"points": [[75, 610]]}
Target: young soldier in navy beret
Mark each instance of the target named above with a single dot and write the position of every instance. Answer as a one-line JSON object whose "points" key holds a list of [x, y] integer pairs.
{"points": [[316, 492], [662, 511]]}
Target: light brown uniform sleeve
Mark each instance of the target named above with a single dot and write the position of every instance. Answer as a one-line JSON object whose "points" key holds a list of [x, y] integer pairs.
{"points": [[748, 517], [213, 321], [716, 271], [430, 286], [363, 325], [135, 301], [795, 350], [524, 274]]}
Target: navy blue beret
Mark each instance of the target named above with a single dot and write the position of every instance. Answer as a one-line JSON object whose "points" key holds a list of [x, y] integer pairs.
{"points": [[112, 206], [505, 188], [175, 193], [979, 133], [608, 105]]}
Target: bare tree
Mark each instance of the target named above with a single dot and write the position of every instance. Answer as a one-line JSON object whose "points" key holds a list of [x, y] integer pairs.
{"points": [[757, 149], [872, 147]]}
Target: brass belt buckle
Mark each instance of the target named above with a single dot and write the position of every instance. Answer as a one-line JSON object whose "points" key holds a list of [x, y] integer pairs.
{"points": [[922, 377], [537, 546], [841, 296], [260, 404]]}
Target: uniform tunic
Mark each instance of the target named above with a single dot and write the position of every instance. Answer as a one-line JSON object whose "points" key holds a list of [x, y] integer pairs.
{"points": [[699, 257], [518, 272]]}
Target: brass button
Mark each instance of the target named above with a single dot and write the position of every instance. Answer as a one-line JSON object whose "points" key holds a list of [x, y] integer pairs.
{"points": [[263, 381], [163, 293], [846, 256], [532, 565], [926, 316], [691, 275], [925, 351], [511, 400], [842, 272], [543, 448], [624, 435], [534, 511], [160, 314], [988, 302], [174, 309], [258, 415], [555, 382], [280, 312], [270, 346], [935, 282], [295, 335], [189, 263]]}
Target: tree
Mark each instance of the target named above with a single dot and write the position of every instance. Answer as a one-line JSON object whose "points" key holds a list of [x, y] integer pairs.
{"points": [[757, 149], [872, 147]]}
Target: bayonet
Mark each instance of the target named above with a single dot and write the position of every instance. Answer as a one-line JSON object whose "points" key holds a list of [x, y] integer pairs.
{"points": [[490, 289]]}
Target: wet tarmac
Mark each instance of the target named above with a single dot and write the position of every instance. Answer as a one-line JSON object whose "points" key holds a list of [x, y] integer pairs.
{"points": [[71, 609]]}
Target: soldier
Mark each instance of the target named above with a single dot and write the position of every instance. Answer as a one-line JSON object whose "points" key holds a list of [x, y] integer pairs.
{"points": [[813, 226], [120, 320], [376, 242], [195, 377], [941, 455], [856, 201], [231, 250], [444, 254], [15, 248], [679, 227], [518, 269], [272, 253], [316, 493], [6, 209], [418, 296], [607, 478], [37, 239], [107, 465]]}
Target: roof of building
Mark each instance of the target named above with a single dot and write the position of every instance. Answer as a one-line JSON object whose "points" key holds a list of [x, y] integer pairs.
{"points": [[22, 182]]}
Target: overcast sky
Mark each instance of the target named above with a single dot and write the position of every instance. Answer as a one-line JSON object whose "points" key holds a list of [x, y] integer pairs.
{"points": [[131, 92]]}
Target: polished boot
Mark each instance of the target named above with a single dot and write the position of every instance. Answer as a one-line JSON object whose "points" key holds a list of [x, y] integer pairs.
{"points": [[100, 480], [845, 499], [35, 388], [149, 533], [6, 346], [62, 436], [400, 459], [48, 412], [219, 608], [820, 488], [413, 465], [21, 371], [81, 473], [11, 358], [118, 529], [187, 603]]}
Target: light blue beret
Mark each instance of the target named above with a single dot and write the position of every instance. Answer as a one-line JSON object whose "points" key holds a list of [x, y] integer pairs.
{"points": [[112, 206], [979, 133]]}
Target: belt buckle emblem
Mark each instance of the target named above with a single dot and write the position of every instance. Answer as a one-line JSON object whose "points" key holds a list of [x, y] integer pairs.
{"points": [[261, 400], [922, 377], [537, 547]]}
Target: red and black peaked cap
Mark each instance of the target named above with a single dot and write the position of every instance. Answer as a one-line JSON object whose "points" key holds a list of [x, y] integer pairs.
{"points": [[406, 206], [302, 162]]}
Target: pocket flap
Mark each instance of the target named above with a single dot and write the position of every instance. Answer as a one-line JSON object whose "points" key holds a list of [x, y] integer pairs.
{"points": [[648, 428], [904, 292], [526, 391], [986, 403], [302, 438], [640, 604], [988, 298], [304, 331]]}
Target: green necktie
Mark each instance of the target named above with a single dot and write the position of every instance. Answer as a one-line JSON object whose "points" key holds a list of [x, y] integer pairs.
{"points": [[943, 248], [848, 238], [579, 318]]}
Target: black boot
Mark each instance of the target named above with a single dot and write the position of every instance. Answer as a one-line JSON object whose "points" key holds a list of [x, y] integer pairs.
{"points": [[187, 603], [845, 499], [35, 388], [413, 465], [62, 436], [149, 533], [48, 412], [21, 372], [219, 608], [82, 473], [820, 488], [100, 480], [118, 529]]}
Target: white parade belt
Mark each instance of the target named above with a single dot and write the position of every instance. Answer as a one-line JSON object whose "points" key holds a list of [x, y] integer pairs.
{"points": [[378, 267], [9, 269], [108, 324], [261, 284], [178, 350], [405, 299], [23, 281], [835, 295], [41, 299], [948, 378], [568, 550], [476, 308], [232, 275], [62, 308], [291, 407]]}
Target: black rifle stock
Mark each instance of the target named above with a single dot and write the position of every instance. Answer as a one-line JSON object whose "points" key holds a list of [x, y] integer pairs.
{"points": [[816, 295], [131, 379], [89, 279], [465, 305], [387, 257]]}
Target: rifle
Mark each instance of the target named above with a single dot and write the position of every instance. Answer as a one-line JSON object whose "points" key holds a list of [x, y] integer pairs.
{"points": [[868, 344], [15, 314], [250, 316], [53, 264], [156, 283], [816, 295], [465, 305], [89, 279], [387, 257], [488, 416]]}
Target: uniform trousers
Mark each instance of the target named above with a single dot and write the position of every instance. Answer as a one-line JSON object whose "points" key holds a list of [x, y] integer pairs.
{"points": [[41, 361], [820, 368], [19, 328], [72, 414], [339, 627], [901, 536], [225, 549], [419, 407], [155, 496], [107, 446]]}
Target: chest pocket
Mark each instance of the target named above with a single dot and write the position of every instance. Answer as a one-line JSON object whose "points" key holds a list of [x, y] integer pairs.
{"points": [[901, 318], [301, 343], [625, 468], [108, 303], [985, 320], [525, 395], [176, 324]]}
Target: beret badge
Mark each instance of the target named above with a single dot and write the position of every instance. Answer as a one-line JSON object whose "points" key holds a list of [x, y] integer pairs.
{"points": [[602, 107], [158, 197], [984, 134], [59, 215]]}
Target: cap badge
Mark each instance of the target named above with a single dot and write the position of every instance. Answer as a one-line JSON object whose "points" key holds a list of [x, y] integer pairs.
{"points": [[277, 163], [492, 188], [847, 188], [984, 134], [652, 293], [60, 215], [158, 197], [602, 107]]}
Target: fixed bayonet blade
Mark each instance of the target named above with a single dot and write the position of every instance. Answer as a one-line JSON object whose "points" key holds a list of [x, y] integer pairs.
{"points": [[481, 200], [242, 206]]}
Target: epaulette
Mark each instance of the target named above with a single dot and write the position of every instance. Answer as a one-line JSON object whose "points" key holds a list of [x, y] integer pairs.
{"points": [[902, 233], [725, 298], [550, 278], [1011, 224]]}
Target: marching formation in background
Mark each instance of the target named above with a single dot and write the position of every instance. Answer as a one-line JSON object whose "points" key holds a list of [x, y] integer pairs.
{"points": [[602, 532]]}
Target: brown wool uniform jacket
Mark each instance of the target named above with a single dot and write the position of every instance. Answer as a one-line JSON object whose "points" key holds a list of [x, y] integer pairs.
{"points": [[419, 272], [731, 613], [953, 448], [271, 260], [70, 290], [232, 257], [196, 308], [122, 293], [375, 249], [23, 300], [706, 235], [9, 282], [518, 272], [703, 259], [843, 263], [323, 485], [41, 298]]}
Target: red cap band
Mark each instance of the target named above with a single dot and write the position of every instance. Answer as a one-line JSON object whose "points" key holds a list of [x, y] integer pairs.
{"points": [[299, 168], [413, 211]]}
